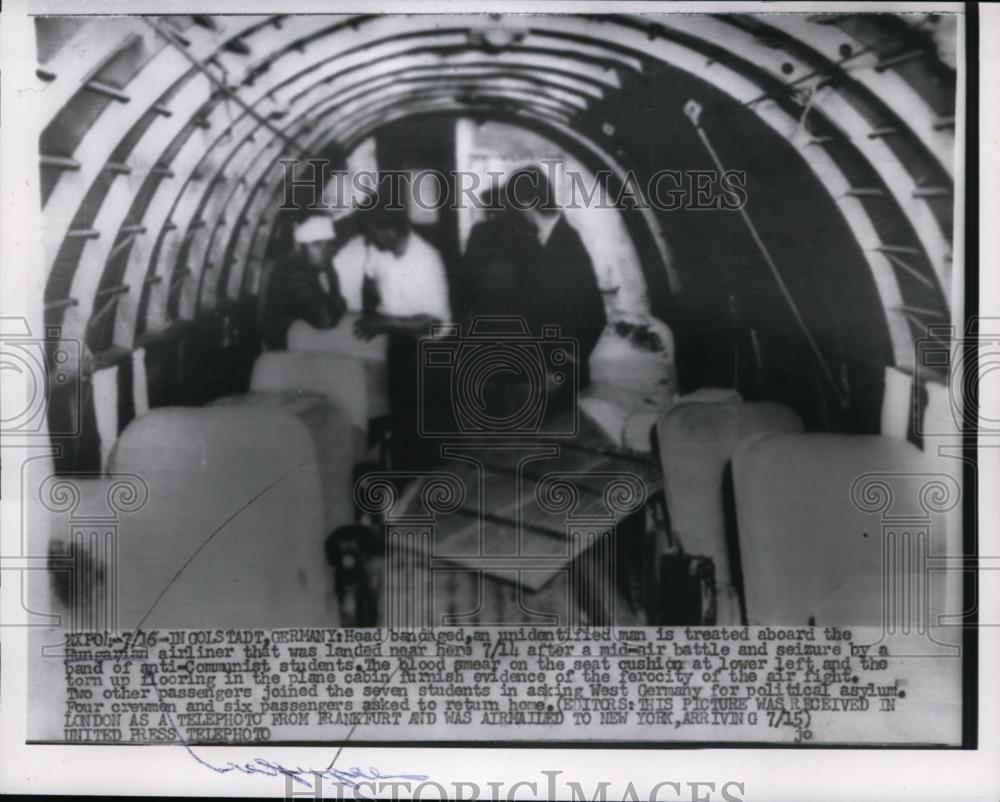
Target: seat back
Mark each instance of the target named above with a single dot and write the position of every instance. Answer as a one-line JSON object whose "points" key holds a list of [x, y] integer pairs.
{"points": [[830, 522], [340, 339], [334, 438], [232, 533], [356, 387], [697, 440]]}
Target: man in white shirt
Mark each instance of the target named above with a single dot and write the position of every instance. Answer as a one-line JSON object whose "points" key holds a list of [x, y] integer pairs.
{"points": [[349, 264], [409, 278]]}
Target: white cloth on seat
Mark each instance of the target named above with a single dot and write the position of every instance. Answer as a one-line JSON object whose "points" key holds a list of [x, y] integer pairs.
{"points": [[232, 534], [105, 388], [630, 383], [696, 441], [810, 549], [607, 416], [638, 429], [140, 383]]}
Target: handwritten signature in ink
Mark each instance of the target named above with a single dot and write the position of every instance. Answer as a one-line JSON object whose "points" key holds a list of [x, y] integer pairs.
{"points": [[350, 777]]}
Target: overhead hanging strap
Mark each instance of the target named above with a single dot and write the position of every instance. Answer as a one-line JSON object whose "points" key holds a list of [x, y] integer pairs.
{"points": [[173, 38], [693, 109]]}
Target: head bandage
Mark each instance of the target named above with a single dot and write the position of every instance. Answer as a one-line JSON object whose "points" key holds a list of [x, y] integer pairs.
{"points": [[314, 229]]}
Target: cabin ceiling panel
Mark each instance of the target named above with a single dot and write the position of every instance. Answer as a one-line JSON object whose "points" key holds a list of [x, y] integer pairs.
{"points": [[934, 132], [188, 99], [326, 79], [903, 180]]}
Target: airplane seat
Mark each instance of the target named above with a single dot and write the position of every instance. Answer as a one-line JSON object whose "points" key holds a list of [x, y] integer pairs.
{"points": [[696, 440], [632, 379], [372, 381], [828, 523], [333, 437], [341, 339], [232, 533], [335, 375]]}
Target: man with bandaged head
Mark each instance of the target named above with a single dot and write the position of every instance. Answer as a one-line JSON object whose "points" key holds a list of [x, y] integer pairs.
{"points": [[304, 285]]}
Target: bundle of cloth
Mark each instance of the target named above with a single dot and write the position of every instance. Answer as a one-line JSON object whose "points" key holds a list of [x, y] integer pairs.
{"points": [[632, 379]]}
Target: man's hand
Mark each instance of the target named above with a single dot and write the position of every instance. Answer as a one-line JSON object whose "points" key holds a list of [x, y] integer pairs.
{"points": [[338, 308], [369, 326]]}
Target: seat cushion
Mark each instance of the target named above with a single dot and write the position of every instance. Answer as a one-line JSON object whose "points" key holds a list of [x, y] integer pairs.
{"points": [[697, 440], [340, 339], [333, 438], [233, 531], [358, 386], [811, 511]]}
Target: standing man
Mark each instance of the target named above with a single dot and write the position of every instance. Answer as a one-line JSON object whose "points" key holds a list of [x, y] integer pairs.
{"points": [[304, 285], [409, 278], [561, 287], [502, 249]]}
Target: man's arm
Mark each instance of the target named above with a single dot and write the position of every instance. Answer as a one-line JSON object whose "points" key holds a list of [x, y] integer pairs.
{"points": [[372, 325], [369, 295], [433, 305], [336, 304], [319, 309], [276, 317]]}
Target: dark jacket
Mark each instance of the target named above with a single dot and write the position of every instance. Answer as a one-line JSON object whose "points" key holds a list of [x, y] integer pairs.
{"points": [[295, 292], [562, 290], [499, 253]]}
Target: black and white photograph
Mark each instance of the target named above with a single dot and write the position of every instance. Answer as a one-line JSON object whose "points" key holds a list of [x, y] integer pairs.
{"points": [[388, 384]]}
